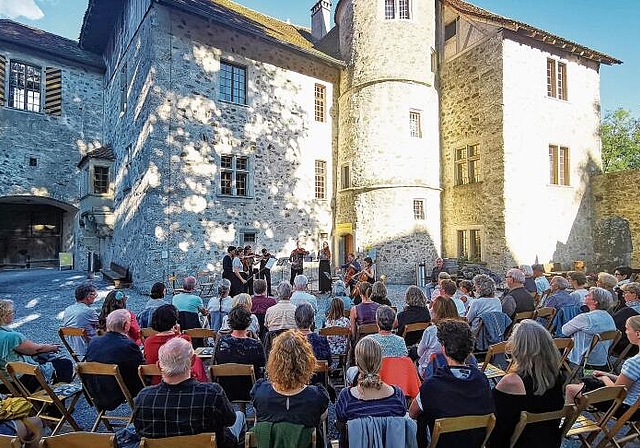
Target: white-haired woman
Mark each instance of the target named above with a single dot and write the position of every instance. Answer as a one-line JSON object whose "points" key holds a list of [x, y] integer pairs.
{"points": [[533, 384], [243, 300], [220, 306], [582, 328], [486, 302]]}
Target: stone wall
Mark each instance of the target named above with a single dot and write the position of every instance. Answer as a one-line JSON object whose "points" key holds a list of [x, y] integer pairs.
{"points": [[174, 218], [550, 223], [613, 197], [473, 78]]}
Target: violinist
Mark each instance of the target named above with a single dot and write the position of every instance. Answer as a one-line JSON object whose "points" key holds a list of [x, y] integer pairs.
{"points": [[297, 261], [247, 268], [265, 272]]}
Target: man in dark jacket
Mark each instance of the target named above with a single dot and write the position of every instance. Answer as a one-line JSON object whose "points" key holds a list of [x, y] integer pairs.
{"points": [[115, 347], [518, 299]]}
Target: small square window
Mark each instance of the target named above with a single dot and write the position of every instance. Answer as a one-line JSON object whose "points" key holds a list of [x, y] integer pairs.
{"points": [[100, 180], [33, 161], [233, 83], [248, 237], [450, 30]]}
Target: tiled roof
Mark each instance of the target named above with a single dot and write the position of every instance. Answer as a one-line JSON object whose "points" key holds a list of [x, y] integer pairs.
{"points": [[530, 31], [103, 152], [41, 41], [100, 16], [229, 13]]}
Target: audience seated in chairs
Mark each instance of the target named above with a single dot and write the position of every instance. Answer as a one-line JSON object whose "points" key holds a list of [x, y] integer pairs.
{"points": [[180, 406], [609, 282], [365, 311], [441, 308], [81, 315], [578, 280], [237, 347], [281, 315], [115, 347], [415, 311], [392, 345], [339, 291], [165, 322], [486, 301], [518, 298], [529, 281], [631, 298], [14, 346], [260, 303], [117, 300], [534, 384], [582, 328], [542, 284], [379, 294], [305, 317], [242, 299], [158, 291], [629, 376], [559, 296], [371, 397], [455, 388], [218, 307], [287, 396], [188, 302]]}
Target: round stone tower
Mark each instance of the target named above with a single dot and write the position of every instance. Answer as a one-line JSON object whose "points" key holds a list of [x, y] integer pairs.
{"points": [[388, 160]]}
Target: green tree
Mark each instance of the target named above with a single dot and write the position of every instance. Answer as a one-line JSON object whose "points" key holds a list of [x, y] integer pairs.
{"points": [[620, 133]]}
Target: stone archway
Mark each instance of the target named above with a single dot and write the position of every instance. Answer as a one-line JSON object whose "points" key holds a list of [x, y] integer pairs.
{"points": [[33, 230]]}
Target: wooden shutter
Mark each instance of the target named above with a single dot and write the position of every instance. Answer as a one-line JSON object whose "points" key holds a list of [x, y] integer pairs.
{"points": [[3, 66], [53, 91]]}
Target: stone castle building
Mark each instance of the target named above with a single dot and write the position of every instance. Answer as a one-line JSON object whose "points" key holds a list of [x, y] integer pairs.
{"points": [[411, 127]]}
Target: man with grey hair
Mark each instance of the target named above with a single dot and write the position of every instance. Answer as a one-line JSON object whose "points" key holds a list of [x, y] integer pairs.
{"points": [[300, 295], [181, 406], [190, 305], [81, 315], [115, 347], [559, 297], [518, 299], [281, 316]]}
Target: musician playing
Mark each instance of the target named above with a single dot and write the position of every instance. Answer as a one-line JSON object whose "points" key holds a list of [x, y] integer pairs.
{"points": [[324, 268], [247, 268], [227, 263], [351, 268], [368, 271], [264, 272], [238, 283], [297, 261]]}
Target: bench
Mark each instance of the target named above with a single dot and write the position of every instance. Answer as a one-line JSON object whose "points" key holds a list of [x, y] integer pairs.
{"points": [[117, 274]]}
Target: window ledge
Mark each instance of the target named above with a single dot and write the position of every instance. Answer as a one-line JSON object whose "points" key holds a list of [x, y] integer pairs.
{"points": [[568, 187], [231, 103], [468, 184], [24, 111], [559, 100], [230, 196]]}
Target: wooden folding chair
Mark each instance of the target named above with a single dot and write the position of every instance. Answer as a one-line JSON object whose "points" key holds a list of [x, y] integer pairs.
{"points": [[56, 395], [9, 442], [491, 371], [8, 384], [548, 313], [523, 315], [204, 440], [621, 357], [242, 397], [564, 345], [566, 416], [251, 441], [588, 429], [87, 369], [65, 332], [80, 440], [456, 424], [598, 338], [202, 333], [365, 329], [148, 370], [344, 332], [322, 366], [413, 328], [147, 332]]}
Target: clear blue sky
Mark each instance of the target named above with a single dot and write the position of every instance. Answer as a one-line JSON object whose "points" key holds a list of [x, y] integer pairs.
{"points": [[607, 26]]}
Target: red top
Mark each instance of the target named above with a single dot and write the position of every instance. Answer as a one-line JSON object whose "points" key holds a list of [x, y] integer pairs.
{"points": [[259, 304], [153, 343]]}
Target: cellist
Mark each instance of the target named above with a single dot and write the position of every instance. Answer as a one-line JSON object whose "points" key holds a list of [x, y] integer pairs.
{"points": [[350, 269]]}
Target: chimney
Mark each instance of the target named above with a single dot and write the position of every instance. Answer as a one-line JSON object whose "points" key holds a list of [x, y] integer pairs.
{"points": [[320, 18]]}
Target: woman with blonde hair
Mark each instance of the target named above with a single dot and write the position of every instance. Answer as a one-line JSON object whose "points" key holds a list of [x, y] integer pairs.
{"points": [[243, 300], [287, 396], [371, 397], [533, 384], [629, 377]]}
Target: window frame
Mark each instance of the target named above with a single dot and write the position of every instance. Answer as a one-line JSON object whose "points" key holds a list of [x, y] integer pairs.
{"points": [[559, 165], [419, 209], [469, 241], [320, 179], [394, 9], [124, 88], [557, 79], [345, 176], [415, 124], [243, 237], [320, 103], [231, 94], [236, 174], [467, 168], [11, 96], [95, 180]]}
